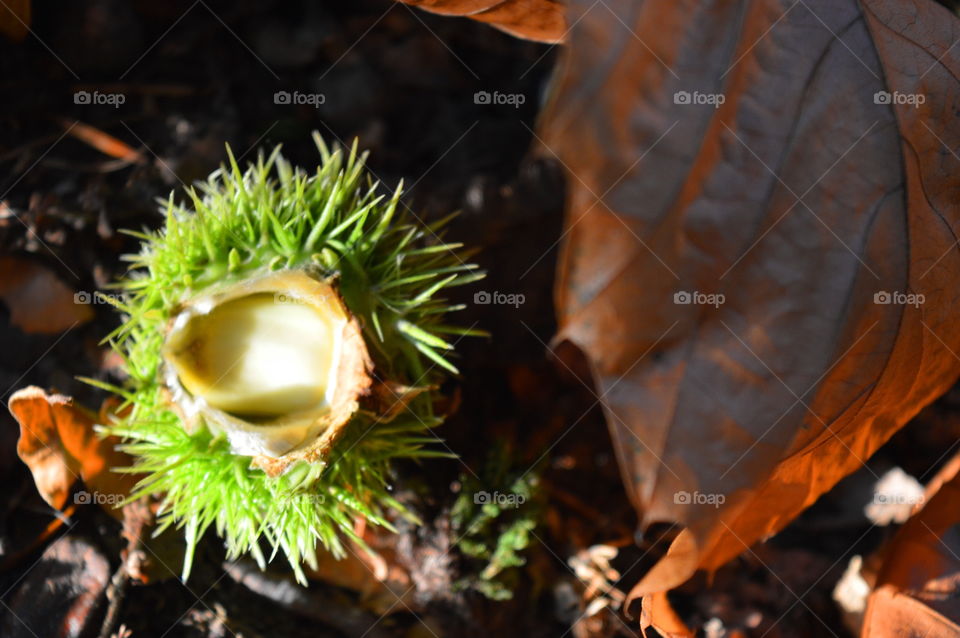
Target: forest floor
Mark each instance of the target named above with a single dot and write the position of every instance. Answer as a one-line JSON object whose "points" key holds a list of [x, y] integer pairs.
{"points": [[196, 76]]}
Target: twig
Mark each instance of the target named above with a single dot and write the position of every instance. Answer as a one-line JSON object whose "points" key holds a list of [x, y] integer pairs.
{"points": [[136, 517], [311, 603]]}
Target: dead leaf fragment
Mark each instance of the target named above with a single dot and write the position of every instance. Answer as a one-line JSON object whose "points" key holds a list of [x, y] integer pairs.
{"points": [[59, 445], [658, 613], [898, 615], [38, 301], [540, 20], [918, 587], [760, 250]]}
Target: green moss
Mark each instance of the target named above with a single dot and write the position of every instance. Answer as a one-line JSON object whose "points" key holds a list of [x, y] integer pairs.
{"points": [[494, 528]]}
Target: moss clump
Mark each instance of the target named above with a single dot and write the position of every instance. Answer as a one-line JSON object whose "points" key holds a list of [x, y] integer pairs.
{"points": [[493, 517]]}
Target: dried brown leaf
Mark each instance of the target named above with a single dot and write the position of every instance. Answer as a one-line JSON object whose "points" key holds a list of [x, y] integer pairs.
{"points": [[541, 20], [658, 613], [59, 445], [918, 587], [799, 196]]}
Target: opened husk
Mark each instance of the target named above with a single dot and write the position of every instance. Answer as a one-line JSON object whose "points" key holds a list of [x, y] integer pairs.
{"points": [[276, 363]]}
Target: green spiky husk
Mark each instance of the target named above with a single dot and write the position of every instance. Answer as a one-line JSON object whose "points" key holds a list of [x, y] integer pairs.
{"points": [[390, 270]]}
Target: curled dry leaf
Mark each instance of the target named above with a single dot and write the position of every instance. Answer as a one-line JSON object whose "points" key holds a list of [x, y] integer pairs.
{"points": [[760, 255], [541, 20], [59, 445], [658, 613], [918, 587], [38, 301]]}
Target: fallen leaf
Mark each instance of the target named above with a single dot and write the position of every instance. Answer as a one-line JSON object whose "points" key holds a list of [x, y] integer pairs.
{"points": [[918, 586], [15, 19], [898, 615], [38, 301], [760, 255], [658, 613], [59, 445], [541, 20]]}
